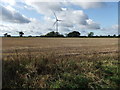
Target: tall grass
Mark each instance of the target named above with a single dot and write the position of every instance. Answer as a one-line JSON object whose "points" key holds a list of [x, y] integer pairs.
{"points": [[51, 71]]}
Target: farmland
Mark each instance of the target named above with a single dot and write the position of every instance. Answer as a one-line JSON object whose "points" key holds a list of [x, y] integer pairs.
{"points": [[60, 45], [60, 63]]}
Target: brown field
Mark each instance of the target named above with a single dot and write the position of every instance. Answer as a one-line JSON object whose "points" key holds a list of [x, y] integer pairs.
{"points": [[61, 46], [60, 63]]}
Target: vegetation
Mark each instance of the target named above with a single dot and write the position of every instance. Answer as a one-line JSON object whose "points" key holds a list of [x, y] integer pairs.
{"points": [[6, 35], [73, 34], [21, 34], [90, 34], [70, 34], [29, 71], [60, 63], [53, 34]]}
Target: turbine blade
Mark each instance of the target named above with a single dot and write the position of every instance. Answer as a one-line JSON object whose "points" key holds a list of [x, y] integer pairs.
{"points": [[54, 23], [55, 15]]}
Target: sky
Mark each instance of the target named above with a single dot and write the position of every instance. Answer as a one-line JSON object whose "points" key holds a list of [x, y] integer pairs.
{"points": [[36, 17]]}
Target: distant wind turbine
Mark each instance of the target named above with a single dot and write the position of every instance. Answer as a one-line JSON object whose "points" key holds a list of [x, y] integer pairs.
{"points": [[56, 22]]}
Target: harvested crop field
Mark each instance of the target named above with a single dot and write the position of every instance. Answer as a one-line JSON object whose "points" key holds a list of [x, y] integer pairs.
{"points": [[60, 63], [62, 46]]}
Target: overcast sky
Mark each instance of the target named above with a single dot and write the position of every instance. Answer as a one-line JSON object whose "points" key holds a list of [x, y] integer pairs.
{"points": [[35, 17]]}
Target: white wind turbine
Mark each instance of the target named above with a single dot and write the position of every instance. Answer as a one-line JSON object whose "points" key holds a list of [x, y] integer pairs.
{"points": [[56, 22]]}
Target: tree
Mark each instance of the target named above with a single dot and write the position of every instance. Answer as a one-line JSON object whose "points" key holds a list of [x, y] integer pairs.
{"points": [[114, 35], [53, 34], [119, 35], [29, 36], [73, 34], [21, 34], [5, 35], [90, 34], [8, 35], [109, 36]]}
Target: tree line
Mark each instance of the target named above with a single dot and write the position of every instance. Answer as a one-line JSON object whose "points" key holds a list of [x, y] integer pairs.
{"points": [[8, 35], [57, 34]]}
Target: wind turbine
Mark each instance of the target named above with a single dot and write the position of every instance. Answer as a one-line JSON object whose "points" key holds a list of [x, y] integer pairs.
{"points": [[56, 22]]}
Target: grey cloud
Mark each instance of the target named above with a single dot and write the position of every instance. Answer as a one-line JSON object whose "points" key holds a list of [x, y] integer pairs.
{"points": [[87, 5], [12, 16], [46, 8], [69, 16], [94, 26], [73, 18]]}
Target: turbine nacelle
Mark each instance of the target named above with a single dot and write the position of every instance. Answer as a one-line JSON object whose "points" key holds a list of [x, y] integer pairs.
{"points": [[58, 20]]}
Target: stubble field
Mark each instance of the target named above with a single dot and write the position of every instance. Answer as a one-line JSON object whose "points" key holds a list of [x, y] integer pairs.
{"points": [[60, 63], [60, 45]]}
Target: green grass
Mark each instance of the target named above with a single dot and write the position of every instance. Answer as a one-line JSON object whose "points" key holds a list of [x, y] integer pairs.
{"points": [[28, 71]]}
